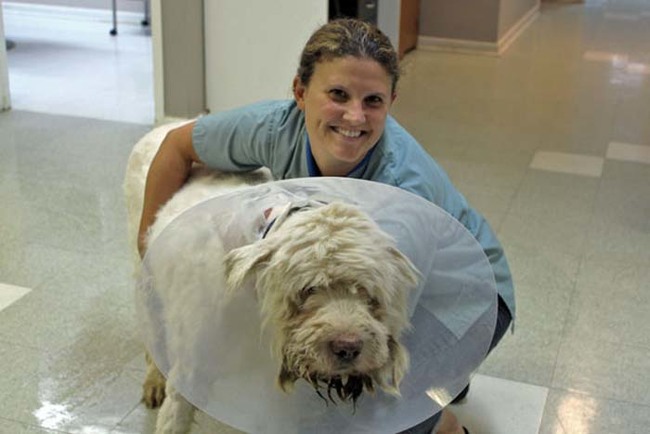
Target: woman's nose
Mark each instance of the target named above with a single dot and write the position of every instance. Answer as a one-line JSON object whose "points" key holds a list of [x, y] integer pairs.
{"points": [[354, 113]]}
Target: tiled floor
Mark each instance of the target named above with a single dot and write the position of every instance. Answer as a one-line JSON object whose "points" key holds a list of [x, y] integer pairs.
{"points": [[550, 141]]}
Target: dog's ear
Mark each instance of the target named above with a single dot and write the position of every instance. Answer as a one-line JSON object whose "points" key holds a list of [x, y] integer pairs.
{"points": [[405, 268], [390, 376], [240, 262], [400, 357]]}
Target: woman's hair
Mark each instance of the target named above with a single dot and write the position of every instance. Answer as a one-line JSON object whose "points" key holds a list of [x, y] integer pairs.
{"points": [[348, 37]]}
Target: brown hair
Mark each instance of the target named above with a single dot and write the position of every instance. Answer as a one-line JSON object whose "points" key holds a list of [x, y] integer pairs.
{"points": [[348, 37]]}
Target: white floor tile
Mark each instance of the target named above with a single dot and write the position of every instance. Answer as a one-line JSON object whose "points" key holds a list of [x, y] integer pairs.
{"points": [[638, 68], [10, 294], [628, 152], [616, 59], [496, 406], [585, 165], [620, 16]]}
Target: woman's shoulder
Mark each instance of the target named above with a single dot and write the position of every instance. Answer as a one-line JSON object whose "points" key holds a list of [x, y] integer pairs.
{"points": [[257, 112], [400, 147], [403, 162], [272, 106]]}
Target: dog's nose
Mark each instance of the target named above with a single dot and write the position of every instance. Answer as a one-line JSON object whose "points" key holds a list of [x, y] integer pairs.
{"points": [[346, 348]]}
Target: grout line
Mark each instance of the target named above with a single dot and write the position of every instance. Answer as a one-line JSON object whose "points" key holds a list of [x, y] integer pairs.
{"points": [[574, 290]]}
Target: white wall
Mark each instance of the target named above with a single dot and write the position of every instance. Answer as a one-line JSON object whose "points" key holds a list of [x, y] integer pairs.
{"points": [[252, 48], [388, 19], [5, 100]]}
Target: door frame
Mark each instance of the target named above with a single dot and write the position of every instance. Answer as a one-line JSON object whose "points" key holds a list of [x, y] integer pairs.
{"points": [[5, 96]]}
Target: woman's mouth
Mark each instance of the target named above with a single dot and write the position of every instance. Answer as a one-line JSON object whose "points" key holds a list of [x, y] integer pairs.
{"points": [[353, 134]]}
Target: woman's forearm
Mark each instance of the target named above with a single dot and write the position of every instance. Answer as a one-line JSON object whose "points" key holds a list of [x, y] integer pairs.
{"points": [[167, 174]]}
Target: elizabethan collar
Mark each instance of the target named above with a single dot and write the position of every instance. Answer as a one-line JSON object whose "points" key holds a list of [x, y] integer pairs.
{"points": [[453, 313]]}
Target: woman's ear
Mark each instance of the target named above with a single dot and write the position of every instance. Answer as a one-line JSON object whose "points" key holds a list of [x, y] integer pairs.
{"points": [[299, 92]]}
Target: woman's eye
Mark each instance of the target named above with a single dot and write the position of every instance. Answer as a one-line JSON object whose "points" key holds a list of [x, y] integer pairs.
{"points": [[374, 101], [338, 95]]}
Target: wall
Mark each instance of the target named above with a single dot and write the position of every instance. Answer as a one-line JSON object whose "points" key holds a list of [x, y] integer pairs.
{"points": [[253, 48], [388, 19], [471, 20], [474, 26], [183, 58]]}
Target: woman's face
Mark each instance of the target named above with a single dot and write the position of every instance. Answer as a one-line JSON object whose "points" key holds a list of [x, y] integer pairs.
{"points": [[345, 106]]}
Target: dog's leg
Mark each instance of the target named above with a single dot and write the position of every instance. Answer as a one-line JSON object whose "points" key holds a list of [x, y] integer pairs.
{"points": [[153, 388], [176, 414]]}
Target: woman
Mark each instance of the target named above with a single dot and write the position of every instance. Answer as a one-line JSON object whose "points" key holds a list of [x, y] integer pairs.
{"points": [[336, 125]]}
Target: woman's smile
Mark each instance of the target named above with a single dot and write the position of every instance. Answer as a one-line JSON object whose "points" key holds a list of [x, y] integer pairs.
{"points": [[353, 134]]}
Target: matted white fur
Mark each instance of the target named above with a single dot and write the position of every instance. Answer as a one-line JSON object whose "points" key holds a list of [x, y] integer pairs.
{"points": [[330, 284]]}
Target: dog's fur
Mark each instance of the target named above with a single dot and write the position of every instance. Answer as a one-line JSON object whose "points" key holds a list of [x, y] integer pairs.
{"points": [[330, 285]]}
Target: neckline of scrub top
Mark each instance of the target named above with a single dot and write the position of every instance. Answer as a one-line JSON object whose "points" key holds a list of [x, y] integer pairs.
{"points": [[314, 170]]}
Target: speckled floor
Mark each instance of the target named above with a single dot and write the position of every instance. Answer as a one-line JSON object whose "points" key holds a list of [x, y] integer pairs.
{"points": [[551, 142]]}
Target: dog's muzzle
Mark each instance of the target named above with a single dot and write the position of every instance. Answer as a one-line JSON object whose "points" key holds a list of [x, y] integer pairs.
{"points": [[346, 348]]}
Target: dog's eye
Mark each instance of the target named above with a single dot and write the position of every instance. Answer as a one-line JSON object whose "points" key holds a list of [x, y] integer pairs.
{"points": [[306, 292]]}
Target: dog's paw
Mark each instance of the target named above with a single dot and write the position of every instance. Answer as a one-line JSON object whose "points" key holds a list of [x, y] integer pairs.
{"points": [[153, 389]]}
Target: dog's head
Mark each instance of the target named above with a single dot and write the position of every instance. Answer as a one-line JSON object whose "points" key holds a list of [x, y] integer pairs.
{"points": [[335, 290]]}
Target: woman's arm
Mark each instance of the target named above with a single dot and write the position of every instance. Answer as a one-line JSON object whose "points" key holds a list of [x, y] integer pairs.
{"points": [[168, 172]]}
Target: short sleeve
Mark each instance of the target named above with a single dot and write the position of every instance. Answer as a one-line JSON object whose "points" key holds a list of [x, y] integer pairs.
{"points": [[235, 140]]}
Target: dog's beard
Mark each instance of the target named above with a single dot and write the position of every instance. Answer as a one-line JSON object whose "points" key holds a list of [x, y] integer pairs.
{"points": [[347, 388]]}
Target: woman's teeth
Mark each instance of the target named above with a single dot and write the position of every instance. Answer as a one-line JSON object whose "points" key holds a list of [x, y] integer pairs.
{"points": [[348, 133]]}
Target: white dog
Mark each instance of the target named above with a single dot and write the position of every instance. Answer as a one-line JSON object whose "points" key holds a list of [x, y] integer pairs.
{"points": [[330, 285]]}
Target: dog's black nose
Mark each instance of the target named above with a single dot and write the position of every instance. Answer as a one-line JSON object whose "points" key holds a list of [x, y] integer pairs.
{"points": [[346, 348]]}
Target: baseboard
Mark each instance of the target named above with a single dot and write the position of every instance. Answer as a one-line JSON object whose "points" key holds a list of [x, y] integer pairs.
{"points": [[515, 31], [431, 43]]}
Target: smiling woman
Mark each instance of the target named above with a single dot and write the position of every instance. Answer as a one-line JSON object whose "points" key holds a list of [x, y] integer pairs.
{"points": [[337, 124], [345, 104]]}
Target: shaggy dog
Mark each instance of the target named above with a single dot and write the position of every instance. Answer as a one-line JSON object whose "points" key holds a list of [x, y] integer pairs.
{"points": [[330, 285]]}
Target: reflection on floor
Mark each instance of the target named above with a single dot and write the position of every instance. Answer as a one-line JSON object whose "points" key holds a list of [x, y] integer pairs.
{"points": [[9, 294], [550, 141]]}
